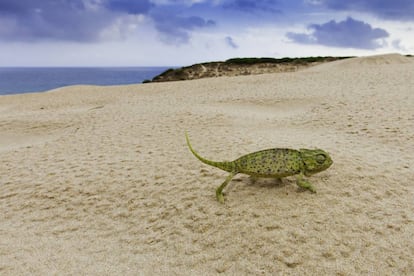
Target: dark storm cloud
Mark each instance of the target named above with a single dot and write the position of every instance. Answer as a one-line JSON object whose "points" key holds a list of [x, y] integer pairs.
{"points": [[389, 9], [349, 33]]}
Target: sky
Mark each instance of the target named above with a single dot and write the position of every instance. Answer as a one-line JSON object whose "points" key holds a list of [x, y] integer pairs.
{"points": [[184, 32]]}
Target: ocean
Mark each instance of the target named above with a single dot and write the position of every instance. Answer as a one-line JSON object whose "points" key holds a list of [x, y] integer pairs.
{"points": [[37, 79]]}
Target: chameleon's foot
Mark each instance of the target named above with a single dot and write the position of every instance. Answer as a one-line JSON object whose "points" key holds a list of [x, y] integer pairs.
{"points": [[309, 187], [305, 184], [312, 189], [219, 191], [220, 197]]}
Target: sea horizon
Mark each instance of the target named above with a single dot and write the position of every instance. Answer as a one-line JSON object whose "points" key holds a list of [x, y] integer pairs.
{"points": [[30, 79]]}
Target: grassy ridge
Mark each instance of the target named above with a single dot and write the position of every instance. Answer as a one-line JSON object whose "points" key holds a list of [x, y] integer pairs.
{"points": [[184, 72], [301, 60]]}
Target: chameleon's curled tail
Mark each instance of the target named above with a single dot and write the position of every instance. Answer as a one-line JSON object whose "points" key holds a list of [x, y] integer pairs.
{"points": [[226, 166]]}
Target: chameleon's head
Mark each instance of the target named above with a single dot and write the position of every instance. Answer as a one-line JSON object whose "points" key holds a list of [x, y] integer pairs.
{"points": [[315, 160]]}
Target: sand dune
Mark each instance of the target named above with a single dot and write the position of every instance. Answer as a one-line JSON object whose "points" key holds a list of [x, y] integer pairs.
{"points": [[361, 62], [98, 180]]}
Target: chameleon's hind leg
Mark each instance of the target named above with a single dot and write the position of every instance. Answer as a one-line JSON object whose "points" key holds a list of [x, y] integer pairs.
{"points": [[219, 191], [304, 184]]}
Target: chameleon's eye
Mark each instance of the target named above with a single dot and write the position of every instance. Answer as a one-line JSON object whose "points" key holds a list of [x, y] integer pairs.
{"points": [[320, 158]]}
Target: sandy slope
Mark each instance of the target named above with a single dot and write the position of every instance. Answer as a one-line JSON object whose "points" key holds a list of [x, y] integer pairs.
{"points": [[99, 180]]}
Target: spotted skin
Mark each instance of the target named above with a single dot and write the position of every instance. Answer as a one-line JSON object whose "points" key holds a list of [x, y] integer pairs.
{"points": [[272, 163]]}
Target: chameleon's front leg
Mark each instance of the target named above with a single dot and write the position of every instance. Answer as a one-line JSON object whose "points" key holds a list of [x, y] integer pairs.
{"points": [[219, 191], [304, 184]]}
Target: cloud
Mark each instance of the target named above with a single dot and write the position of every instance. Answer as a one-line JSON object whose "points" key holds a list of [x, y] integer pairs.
{"points": [[349, 33], [397, 44], [92, 20], [252, 6], [176, 29], [176, 20], [230, 42], [388, 9], [70, 20], [128, 6]]}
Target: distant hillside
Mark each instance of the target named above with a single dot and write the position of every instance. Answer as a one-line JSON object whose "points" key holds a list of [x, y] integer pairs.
{"points": [[240, 66]]}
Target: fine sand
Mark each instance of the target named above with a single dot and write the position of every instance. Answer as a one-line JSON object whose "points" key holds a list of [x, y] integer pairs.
{"points": [[99, 180]]}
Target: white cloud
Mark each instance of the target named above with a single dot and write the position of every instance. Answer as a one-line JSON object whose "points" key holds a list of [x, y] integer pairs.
{"points": [[124, 27]]}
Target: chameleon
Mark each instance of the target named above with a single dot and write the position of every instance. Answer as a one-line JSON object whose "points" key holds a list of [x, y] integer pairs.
{"points": [[272, 163]]}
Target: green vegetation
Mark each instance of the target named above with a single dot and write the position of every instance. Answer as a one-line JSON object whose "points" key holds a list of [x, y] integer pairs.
{"points": [[178, 74], [190, 72], [166, 72], [302, 60]]}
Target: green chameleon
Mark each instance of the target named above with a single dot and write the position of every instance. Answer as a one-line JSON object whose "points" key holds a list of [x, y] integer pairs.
{"points": [[272, 163]]}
